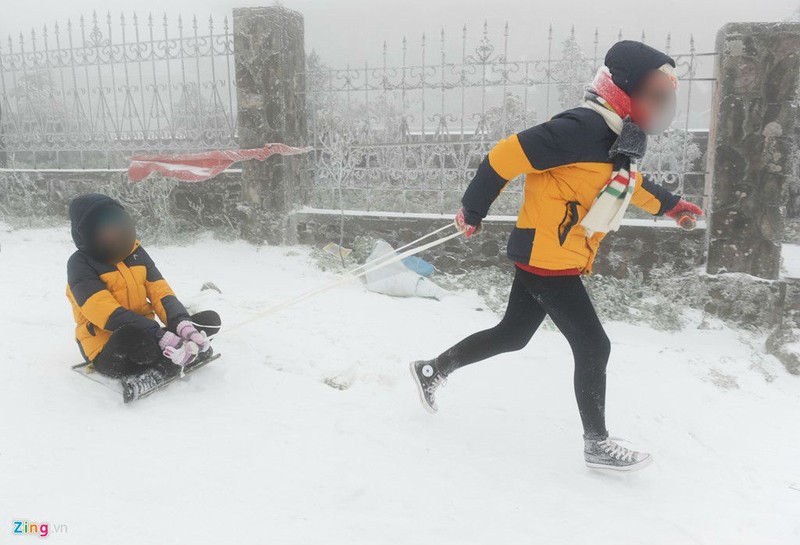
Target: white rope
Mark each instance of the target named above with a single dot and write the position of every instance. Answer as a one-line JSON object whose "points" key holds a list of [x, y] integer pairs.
{"points": [[401, 248], [364, 269], [349, 274]]}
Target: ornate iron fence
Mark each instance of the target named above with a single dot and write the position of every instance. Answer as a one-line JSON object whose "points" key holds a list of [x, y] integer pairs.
{"points": [[407, 137], [88, 95]]}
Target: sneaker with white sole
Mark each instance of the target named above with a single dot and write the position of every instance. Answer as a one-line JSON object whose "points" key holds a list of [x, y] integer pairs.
{"points": [[133, 386], [610, 455], [428, 378]]}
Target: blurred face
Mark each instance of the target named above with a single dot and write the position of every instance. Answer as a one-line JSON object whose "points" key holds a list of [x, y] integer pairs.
{"points": [[654, 102], [114, 235]]}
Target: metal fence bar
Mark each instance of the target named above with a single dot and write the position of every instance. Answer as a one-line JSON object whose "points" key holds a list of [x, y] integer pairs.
{"points": [[102, 91], [486, 95]]}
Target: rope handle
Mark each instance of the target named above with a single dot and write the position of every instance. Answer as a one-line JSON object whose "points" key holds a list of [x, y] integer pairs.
{"points": [[401, 248], [362, 270]]}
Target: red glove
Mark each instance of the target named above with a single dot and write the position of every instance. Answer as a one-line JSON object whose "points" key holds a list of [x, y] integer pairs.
{"points": [[464, 227], [685, 214]]}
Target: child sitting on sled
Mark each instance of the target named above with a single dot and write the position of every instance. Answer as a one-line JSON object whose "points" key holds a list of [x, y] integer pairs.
{"points": [[117, 292]]}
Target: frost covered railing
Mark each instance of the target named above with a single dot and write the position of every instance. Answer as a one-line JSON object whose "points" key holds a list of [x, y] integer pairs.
{"points": [[88, 95], [406, 134]]}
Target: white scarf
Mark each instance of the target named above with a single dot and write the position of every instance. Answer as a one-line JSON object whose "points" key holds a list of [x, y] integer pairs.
{"points": [[612, 201]]}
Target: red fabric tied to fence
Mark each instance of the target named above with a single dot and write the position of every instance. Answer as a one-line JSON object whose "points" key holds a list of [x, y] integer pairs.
{"points": [[198, 167]]}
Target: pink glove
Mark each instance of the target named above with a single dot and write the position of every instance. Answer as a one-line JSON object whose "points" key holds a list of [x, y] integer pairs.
{"points": [[464, 227], [178, 351], [685, 213], [188, 332]]}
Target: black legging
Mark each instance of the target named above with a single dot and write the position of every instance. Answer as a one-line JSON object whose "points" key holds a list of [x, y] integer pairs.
{"points": [[565, 300], [131, 350]]}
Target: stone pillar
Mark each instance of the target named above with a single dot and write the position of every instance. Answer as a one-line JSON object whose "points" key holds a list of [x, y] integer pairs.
{"points": [[270, 60], [752, 145]]}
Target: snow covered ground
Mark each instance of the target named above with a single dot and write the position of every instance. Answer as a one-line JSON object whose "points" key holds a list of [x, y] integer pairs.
{"points": [[790, 254], [260, 448]]}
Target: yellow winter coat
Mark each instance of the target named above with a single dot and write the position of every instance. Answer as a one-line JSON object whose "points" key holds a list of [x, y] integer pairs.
{"points": [[565, 163]]}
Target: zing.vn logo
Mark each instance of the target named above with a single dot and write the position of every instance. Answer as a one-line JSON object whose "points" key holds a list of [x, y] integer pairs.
{"points": [[41, 529]]}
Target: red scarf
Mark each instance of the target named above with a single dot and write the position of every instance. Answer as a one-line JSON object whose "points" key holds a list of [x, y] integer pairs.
{"points": [[604, 86]]}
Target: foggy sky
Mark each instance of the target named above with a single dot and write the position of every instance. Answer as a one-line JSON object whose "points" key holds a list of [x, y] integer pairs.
{"points": [[343, 31]]}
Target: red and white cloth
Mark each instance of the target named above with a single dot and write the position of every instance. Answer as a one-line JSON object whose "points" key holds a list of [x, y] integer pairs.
{"points": [[198, 167]]}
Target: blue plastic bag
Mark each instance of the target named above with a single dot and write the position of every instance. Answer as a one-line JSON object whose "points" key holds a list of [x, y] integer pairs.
{"points": [[418, 265]]}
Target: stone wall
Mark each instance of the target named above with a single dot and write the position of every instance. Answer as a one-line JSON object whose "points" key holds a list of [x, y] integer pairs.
{"points": [[634, 247], [166, 208], [162, 208]]}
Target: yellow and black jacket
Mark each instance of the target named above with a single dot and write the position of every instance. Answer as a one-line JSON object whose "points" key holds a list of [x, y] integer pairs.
{"points": [[106, 297], [565, 162]]}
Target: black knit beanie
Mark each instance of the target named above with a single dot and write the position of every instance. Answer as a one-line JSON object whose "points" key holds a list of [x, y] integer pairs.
{"points": [[629, 61]]}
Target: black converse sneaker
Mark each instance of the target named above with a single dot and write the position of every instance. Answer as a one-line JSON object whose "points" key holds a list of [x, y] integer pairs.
{"points": [[134, 386], [608, 454], [427, 378]]}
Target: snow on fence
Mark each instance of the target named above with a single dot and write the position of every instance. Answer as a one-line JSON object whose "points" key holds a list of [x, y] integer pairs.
{"points": [[404, 134], [87, 95], [407, 133]]}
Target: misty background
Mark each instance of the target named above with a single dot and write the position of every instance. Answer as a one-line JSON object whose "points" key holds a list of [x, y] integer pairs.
{"points": [[353, 31]]}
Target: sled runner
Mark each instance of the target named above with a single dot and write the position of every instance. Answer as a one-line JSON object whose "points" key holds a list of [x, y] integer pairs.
{"points": [[135, 387]]}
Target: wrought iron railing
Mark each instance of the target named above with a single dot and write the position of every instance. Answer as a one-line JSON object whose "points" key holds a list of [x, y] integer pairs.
{"points": [[89, 95], [405, 134], [408, 136]]}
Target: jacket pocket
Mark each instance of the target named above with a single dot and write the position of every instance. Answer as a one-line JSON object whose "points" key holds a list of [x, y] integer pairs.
{"points": [[520, 244], [569, 221], [593, 244]]}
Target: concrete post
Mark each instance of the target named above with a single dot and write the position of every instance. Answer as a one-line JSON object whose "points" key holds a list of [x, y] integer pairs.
{"points": [[270, 60], [752, 145]]}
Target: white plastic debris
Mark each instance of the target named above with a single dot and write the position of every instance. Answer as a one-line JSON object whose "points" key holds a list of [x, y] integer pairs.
{"points": [[398, 280]]}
